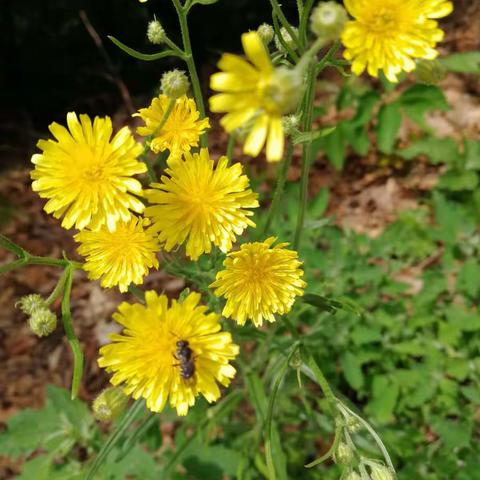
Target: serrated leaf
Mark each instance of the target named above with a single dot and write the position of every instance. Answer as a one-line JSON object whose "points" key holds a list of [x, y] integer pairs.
{"points": [[389, 121], [319, 204], [419, 99], [384, 398], [453, 434], [438, 150]]}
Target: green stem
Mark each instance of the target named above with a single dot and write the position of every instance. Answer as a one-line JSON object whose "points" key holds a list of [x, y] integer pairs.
{"points": [[306, 155], [7, 244], [146, 57], [329, 453], [322, 381], [230, 146], [136, 292], [281, 179], [114, 438], [307, 121], [303, 27], [192, 70], [279, 13], [150, 171], [293, 55], [70, 333], [12, 265], [58, 288]]}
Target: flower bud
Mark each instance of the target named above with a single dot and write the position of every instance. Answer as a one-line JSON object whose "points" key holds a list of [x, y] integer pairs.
{"points": [[290, 124], [174, 84], [327, 20], [42, 322], [109, 404], [285, 89], [155, 32], [430, 72], [380, 472], [353, 424], [344, 454], [266, 33], [287, 38], [351, 475], [31, 303]]}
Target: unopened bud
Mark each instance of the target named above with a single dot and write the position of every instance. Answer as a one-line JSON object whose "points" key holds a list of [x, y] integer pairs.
{"points": [[290, 124], [327, 20], [430, 72], [285, 89], [155, 32], [109, 404], [353, 424], [287, 38], [31, 303], [174, 84], [344, 454], [351, 475], [380, 472], [266, 33], [42, 322]]}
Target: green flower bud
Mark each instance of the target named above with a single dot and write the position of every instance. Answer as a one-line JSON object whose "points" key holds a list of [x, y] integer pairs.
{"points": [[430, 72], [109, 404], [327, 20], [351, 475], [353, 424], [266, 33], [344, 454], [285, 89], [287, 38], [31, 303], [42, 322], [290, 124], [155, 32], [380, 472], [174, 84]]}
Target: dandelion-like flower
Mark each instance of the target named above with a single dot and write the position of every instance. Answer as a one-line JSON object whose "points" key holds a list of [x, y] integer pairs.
{"points": [[259, 281], [181, 130], [173, 353], [389, 34], [254, 92], [87, 175], [119, 257], [198, 203]]}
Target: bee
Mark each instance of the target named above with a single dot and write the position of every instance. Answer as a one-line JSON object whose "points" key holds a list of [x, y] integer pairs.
{"points": [[184, 355]]}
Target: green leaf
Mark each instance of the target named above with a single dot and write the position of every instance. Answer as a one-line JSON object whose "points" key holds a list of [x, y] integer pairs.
{"points": [[438, 150], [146, 57], [467, 279], [212, 461], [204, 2], [384, 398], [352, 370], [472, 155], [307, 137], [464, 320], [457, 181], [319, 204], [335, 147], [419, 99], [136, 464], [467, 62], [39, 468], [389, 121], [453, 434]]}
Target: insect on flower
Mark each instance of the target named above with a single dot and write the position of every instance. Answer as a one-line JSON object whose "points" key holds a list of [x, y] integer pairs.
{"points": [[184, 354]]}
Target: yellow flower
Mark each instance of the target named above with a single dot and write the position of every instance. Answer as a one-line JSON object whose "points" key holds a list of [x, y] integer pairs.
{"points": [[180, 132], [86, 175], [149, 362], [118, 257], [388, 34], [255, 93], [259, 281], [200, 204]]}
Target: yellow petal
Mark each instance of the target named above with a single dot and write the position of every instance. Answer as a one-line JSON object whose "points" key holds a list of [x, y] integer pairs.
{"points": [[256, 52], [256, 138], [275, 140]]}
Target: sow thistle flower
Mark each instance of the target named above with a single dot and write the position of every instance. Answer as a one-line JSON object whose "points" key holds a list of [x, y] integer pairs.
{"points": [[389, 34], [149, 358], [87, 175], [180, 132], [199, 204], [119, 257], [259, 281], [255, 92]]}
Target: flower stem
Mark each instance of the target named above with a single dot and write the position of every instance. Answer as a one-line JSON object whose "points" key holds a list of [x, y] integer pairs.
{"points": [[192, 70], [58, 288], [279, 13], [281, 179], [70, 333], [230, 146], [302, 29]]}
